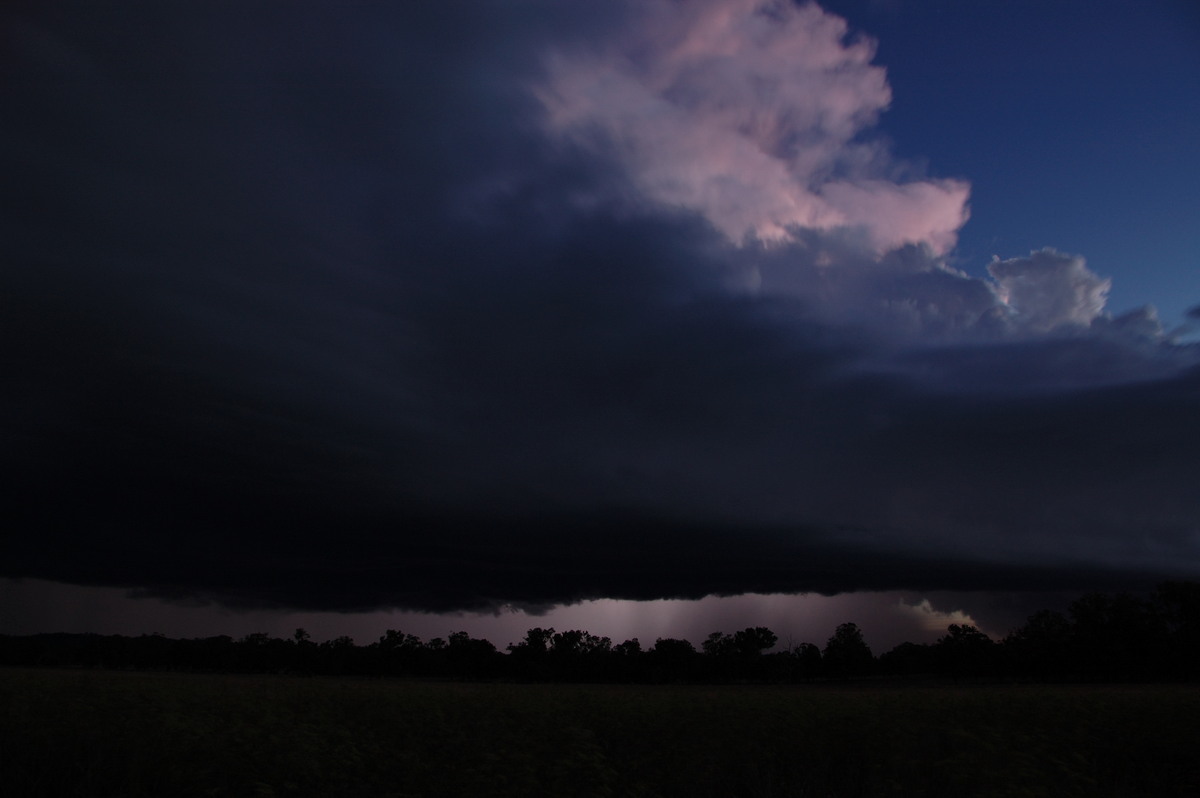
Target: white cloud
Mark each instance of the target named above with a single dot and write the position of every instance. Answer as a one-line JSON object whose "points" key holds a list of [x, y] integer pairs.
{"points": [[1049, 289]]}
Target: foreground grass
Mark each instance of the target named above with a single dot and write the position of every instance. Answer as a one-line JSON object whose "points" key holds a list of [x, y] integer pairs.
{"points": [[88, 733]]}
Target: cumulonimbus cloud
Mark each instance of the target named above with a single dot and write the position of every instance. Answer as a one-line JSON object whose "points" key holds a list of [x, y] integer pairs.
{"points": [[749, 112], [363, 343]]}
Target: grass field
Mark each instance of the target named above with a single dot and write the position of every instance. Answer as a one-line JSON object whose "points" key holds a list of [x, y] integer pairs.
{"points": [[94, 733]]}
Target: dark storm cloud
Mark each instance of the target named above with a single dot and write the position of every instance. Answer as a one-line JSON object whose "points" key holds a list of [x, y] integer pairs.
{"points": [[307, 308]]}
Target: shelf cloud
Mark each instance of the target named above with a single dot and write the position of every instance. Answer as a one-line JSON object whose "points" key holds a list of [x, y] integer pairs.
{"points": [[524, 304]]}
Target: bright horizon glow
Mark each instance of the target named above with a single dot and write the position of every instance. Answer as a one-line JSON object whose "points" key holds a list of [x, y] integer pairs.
{"points": [[887, 619]]}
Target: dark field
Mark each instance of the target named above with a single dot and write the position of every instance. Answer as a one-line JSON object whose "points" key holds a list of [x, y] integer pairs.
{"points": [[94, 733]]}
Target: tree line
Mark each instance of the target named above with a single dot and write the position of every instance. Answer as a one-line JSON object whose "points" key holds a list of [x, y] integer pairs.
{"points": [[1101, 637]]}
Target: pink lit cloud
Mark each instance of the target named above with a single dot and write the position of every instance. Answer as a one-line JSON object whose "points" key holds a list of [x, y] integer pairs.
{"points": [[748, 113]]}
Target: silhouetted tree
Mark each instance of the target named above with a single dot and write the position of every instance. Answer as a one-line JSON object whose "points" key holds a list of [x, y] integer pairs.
{"points": [[1178, 604], [671, 660], [630, 648], [536, 642], [577, 655], [265, 654], [846, 654], [808, 660], [393, 641], [720, 661], [738, 656], [1117, 637], [397, 653], [530, 656], [340, 656], [908, 659], [965, 651], [626, 661], [753, 641], [718, 644], [1042, 648], [578, 643], [465, 657]]}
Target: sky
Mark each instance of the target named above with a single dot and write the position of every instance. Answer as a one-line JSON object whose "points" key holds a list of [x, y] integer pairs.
{"points": [[652, 319]]}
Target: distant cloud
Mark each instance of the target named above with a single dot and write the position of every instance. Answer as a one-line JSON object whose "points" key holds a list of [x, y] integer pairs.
{"points": [[1048, 289], [749, 113]]}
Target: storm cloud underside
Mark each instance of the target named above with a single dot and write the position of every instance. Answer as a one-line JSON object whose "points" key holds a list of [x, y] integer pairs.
{"points": [[526, 304]]}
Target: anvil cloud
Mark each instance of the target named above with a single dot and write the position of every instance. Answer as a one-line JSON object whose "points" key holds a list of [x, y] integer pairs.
{"points": [[484, 304]]}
